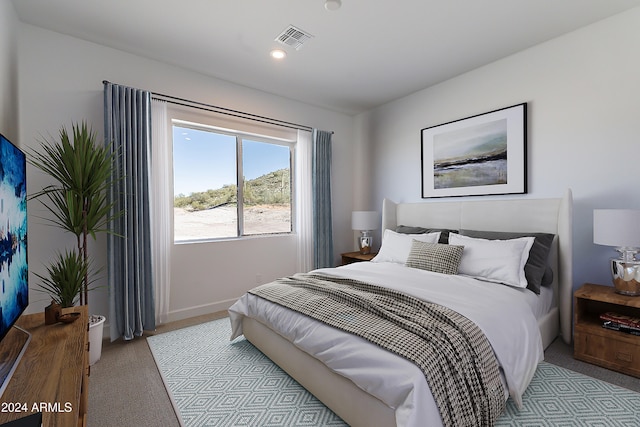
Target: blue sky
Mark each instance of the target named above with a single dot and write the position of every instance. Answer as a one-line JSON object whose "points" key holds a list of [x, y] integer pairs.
{"points": [[205, 160]]}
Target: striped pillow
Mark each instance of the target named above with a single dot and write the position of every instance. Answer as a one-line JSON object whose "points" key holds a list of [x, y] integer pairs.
{"points": [[435, 257]]}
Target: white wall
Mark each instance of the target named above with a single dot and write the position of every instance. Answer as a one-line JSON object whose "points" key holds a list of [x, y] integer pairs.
{"points": [[8, 73], [582, 91], [61, 81]]}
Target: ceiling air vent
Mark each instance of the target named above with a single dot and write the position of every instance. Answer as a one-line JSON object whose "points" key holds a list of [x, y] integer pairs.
{"points": [[294, 37]]}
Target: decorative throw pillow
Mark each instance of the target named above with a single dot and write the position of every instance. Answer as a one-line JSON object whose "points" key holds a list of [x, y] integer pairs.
{"points": [[500, 261], [536, 270], [396, 246], [435, 257]]}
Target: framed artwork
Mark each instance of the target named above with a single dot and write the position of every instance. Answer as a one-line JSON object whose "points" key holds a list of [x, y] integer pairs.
{"points": [[476, 156]]}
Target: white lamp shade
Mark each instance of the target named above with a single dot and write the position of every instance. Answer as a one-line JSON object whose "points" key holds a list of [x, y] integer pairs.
{"points": [[616, 227], [364, 220]]}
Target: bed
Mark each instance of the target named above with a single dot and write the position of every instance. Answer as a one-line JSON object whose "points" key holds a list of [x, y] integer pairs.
{"points": [[315, 354]]}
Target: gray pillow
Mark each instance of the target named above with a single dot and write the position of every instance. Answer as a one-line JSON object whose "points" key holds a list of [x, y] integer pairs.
{"points": [[435, 257], [444, 233], [547, 279], [536, 270]]}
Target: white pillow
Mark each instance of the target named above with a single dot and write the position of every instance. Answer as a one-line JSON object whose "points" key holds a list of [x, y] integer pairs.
{"points": [[500, 261], [396, 246]]}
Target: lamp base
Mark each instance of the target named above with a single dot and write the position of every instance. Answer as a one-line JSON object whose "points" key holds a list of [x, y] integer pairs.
{"points": [[365, 241], [626, 276]]}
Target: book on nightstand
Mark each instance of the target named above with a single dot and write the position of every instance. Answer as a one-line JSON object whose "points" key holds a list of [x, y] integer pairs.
{"points": [[622, 323]]}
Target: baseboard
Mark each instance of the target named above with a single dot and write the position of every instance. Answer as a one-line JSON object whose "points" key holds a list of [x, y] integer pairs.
{"points": [[199, 310], [183, 314]]}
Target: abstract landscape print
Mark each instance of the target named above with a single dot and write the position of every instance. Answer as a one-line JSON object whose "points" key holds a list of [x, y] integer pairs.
{"points": [[476, 155], [479, 155]]}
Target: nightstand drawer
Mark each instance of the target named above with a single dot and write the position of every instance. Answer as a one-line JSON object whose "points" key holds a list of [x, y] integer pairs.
{"points": [[610, 349]]}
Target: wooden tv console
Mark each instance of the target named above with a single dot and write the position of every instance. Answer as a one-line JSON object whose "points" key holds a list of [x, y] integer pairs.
{"points": [[53, 374]]}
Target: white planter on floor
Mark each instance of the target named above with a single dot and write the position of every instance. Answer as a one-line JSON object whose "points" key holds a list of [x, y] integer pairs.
{"points": [[96, 325]]}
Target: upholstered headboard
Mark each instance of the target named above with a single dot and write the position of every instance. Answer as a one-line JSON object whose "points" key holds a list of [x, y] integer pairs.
{"points": [[524, 215]]}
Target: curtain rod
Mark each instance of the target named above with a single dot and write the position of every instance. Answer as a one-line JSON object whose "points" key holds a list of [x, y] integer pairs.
{"points": [[227, 111]]}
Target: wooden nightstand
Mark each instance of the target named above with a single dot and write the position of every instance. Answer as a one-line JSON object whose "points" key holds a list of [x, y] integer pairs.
{"points": [[614, 350], [350, 257]]}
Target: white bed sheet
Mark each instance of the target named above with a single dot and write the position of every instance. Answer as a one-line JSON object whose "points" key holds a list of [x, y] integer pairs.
{"points": [[504, 314], [540, 304]]}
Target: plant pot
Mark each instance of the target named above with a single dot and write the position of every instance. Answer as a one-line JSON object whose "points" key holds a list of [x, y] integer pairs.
{"points": [[51, 313], [96, 323]]}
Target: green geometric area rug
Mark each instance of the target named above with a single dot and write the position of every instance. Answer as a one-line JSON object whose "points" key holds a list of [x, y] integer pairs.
{"points": [[559, 397], [215, 382]]}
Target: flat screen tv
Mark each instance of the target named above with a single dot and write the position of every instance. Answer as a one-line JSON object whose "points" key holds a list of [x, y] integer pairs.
{"points": [[14, 284]]}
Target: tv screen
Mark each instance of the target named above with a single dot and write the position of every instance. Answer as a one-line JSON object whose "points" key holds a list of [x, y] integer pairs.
{"points": [[14, 285]]}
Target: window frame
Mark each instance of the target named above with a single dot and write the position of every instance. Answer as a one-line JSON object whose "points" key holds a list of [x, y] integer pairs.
{"points": [[217, 123]]}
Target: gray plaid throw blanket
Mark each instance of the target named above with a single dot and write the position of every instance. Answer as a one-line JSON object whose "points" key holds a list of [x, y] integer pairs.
{"points": [[455, 356]]}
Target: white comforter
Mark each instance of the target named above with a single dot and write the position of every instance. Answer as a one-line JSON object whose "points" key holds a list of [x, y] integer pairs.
{"points": [[500, 311]]}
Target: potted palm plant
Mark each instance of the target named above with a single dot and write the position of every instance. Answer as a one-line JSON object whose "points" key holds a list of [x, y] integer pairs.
{"points": [[63, 283], [77, 201], [64, 279]]}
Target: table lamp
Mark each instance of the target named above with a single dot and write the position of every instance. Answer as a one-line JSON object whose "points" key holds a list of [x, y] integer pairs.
{"points": [[365, 222], [620, 228]]}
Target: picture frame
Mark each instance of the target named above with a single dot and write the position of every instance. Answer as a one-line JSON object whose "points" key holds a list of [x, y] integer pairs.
{"points": [[481, 155]]}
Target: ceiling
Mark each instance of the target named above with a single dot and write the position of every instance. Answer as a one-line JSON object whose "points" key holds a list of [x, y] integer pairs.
{"points": [[365, 54]]}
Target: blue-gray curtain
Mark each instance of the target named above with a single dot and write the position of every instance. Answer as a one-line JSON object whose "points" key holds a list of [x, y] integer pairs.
{"points": [[321, 188], [127, 126]]}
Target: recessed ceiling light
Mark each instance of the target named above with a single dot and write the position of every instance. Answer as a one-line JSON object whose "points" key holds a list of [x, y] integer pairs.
{"points": [[332, 4], [278, 53]]}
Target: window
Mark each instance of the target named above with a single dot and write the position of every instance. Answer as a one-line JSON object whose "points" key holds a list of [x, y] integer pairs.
{"points": [[229, 184]]}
